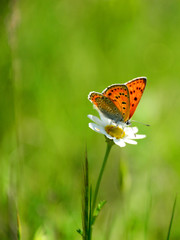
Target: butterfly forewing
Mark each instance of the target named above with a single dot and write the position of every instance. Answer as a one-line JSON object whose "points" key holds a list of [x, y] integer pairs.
{"points": [[136, 88], [119, 95], [105, 106]]}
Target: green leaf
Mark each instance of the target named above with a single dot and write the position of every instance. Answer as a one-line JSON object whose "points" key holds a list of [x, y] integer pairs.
{"points": [[80, 232], [97, 210]]}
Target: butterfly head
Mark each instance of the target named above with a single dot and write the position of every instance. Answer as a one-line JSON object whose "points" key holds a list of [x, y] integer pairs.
{"points": [[128, 122]]}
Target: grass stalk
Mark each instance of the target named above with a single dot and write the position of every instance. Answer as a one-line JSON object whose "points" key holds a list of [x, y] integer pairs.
{"points": [[85, 201], [172, 217], [90, 214], [108, 148], [92, 209]]}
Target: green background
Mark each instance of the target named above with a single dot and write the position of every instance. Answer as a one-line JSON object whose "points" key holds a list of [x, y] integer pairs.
{"points": [[52, 54]]}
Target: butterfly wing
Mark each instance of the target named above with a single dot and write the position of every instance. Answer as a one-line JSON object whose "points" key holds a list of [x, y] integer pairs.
{"points": [[119, 95], [136, 88], [105, 106]]}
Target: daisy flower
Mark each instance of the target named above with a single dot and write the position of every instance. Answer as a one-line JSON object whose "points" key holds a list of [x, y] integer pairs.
{"points": [[120, 133]]}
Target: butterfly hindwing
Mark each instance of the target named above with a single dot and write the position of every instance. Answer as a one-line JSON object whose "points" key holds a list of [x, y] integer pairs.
{"points": [[106, 106], [136, 88], [119, 95]]}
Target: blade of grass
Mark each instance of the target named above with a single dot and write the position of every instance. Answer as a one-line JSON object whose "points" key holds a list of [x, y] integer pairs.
{"points": [[85, 202], [172, 217], [18, 228], [90, 214]]}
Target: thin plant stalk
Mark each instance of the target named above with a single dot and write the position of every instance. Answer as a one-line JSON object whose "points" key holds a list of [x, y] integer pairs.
{"points": [[172, 216], [108, 149], [89, 201], [85, 202], [90, 215], [18, 228]]}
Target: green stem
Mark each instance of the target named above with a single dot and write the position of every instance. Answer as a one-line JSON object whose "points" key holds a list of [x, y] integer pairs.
{"points": [[108, 148], [92, 209]]}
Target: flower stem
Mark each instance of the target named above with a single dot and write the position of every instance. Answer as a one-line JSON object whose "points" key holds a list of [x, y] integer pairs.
{"points": [[108, 148]]}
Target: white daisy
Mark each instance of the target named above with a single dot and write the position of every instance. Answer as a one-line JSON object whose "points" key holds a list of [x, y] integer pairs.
{"points": [[120, 133]]}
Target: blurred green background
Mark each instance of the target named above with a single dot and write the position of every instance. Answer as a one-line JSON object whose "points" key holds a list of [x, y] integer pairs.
{"points": [[52, 54]]}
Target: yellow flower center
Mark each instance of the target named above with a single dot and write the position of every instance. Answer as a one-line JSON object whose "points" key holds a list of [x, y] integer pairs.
{"points": [[115, 131]]}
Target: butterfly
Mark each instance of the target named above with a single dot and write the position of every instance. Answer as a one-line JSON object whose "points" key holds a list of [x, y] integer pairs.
{"points": [[119, 101]]}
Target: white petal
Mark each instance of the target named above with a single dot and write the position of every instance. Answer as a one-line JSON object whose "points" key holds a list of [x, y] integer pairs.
{"points": [[120, 142], [135, 129], [95, 119], [130, 131], [97, 128], [130, 141], [139, 136], [109, 136], [135, 136]]}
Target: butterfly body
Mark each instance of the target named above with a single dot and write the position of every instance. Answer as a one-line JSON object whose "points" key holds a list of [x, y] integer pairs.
{"points": [[119, 101]]}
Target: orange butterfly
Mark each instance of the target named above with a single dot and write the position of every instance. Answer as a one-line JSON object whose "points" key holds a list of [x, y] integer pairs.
{"points": [[119, 101]]}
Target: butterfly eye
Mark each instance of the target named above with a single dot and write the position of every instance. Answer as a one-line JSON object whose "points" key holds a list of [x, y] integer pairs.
{"points": [[128, 122]]}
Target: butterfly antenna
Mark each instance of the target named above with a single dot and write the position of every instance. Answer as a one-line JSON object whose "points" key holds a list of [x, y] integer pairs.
{"points": [[147, 125]]}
